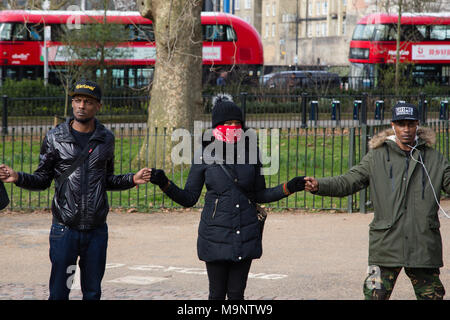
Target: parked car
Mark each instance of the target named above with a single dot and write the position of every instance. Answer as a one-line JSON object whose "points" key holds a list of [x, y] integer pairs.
{"points": [[301, 79]]}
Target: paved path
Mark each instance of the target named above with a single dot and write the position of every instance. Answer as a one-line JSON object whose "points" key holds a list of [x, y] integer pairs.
{"points": [[153, 256]]}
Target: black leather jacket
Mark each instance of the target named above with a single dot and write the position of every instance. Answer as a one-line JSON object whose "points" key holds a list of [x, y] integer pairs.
{"points": [[82, 202]]}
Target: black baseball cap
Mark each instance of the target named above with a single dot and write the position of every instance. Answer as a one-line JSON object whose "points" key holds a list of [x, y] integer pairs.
{"points": [[87, 88], [405, 111]]}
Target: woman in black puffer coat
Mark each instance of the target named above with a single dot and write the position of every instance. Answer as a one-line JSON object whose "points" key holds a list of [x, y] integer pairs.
{"points": [[229, 234]]}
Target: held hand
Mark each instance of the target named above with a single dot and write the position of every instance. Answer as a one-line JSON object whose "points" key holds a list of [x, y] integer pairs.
{"points": [[159, 178], [311, 184], [142, 176], [296, 184], [7, 174]]}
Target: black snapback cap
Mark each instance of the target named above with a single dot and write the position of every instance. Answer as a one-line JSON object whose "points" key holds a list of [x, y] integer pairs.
{"points": [[405, 111], [87, 88]]}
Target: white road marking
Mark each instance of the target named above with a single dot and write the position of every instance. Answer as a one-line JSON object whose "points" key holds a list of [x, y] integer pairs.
{"points": [[138, 280]]}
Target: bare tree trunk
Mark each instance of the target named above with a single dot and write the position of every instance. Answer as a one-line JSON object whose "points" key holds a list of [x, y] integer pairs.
{"points": [[397, 59], [176, 94]]}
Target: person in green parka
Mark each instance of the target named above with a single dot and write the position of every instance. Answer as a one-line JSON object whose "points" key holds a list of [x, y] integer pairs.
{"points": [[406, 176]]}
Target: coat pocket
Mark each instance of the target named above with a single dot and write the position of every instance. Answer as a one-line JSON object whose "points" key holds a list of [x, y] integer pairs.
{"points": [[380, 225]]}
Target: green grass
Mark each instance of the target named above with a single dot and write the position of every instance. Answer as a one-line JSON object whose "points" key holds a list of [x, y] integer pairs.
{"points": [[313, 152]]}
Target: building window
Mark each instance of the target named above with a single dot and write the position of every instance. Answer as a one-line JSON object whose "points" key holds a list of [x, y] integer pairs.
{"points": [[324, 29], [248, 4], [344, 3], [317, 8], [274, 29], [318, 30], [310, 9], [266, 35], [268, 10], [344, 27], [310, 31], [274, 10], [325, 7], [237, 4]]}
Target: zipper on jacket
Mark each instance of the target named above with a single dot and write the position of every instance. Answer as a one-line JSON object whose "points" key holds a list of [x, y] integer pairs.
{"points": [[215, 207], [84, 187]]}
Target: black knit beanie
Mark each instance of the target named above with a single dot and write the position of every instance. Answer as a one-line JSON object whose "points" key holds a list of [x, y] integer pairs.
{"points": [[225, 111]]}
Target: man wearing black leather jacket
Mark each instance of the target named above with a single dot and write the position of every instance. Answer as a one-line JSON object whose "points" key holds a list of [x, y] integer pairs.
{"points": [[80, 205]]}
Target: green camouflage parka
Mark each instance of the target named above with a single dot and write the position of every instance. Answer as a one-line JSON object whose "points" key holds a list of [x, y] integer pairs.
{"points": [[405, 227]]}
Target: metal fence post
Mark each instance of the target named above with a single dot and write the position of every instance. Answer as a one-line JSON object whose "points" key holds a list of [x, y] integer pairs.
{"points": [[379, 110], [443, 112], [351, 162], [244, 104], [422, 108], [313, 113], [304, 101], [336, 111], [363, 193], [364, 108], [356, 109], [5, 115]]}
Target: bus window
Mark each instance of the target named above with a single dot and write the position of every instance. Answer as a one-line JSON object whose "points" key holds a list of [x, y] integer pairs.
{"points": [[131, 77], [385, 32], [58, 32], [423, 31], [364, 32], [440, 32], [118, 78], [231, 35], [29, 73], [411, 33], [12, 73], [36, 32], [215, 32], [5, 31], [20, 32], [388, 32], [143, 32], [144, 76]]}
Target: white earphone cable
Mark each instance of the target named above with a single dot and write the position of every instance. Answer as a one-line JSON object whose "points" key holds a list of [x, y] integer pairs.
{"points": [[428, 176], [425, 168]]}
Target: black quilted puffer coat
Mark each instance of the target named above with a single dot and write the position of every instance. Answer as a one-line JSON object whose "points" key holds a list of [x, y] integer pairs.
{"points": [[81, 201], [229, 229]]}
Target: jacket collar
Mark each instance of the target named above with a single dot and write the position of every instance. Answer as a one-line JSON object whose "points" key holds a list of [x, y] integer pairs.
{"points": [[426, 136], [64, 133]]}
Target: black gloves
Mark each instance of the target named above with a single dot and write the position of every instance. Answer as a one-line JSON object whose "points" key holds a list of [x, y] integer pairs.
{"points": [[295, 184], [159, 178]]}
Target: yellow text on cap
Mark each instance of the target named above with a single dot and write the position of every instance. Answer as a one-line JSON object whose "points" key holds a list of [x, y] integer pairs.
{"points": [[85, 86]]}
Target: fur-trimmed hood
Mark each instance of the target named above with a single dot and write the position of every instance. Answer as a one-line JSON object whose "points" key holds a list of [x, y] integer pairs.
{"points": [[426, 134]]}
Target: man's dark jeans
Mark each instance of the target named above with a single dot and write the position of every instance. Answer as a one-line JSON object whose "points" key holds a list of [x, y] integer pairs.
{"points": [[66, 245]]}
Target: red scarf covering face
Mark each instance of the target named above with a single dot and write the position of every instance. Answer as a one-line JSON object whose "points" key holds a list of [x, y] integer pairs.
{"points": [[228, 134]]}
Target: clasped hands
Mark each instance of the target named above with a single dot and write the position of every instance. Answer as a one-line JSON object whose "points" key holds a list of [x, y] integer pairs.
{"points": [[159, 178], [309, 184], [7, 174]]}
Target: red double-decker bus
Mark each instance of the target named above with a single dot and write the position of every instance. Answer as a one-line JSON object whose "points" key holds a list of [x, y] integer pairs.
{"points": [[424, 46], [229, 43]]}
